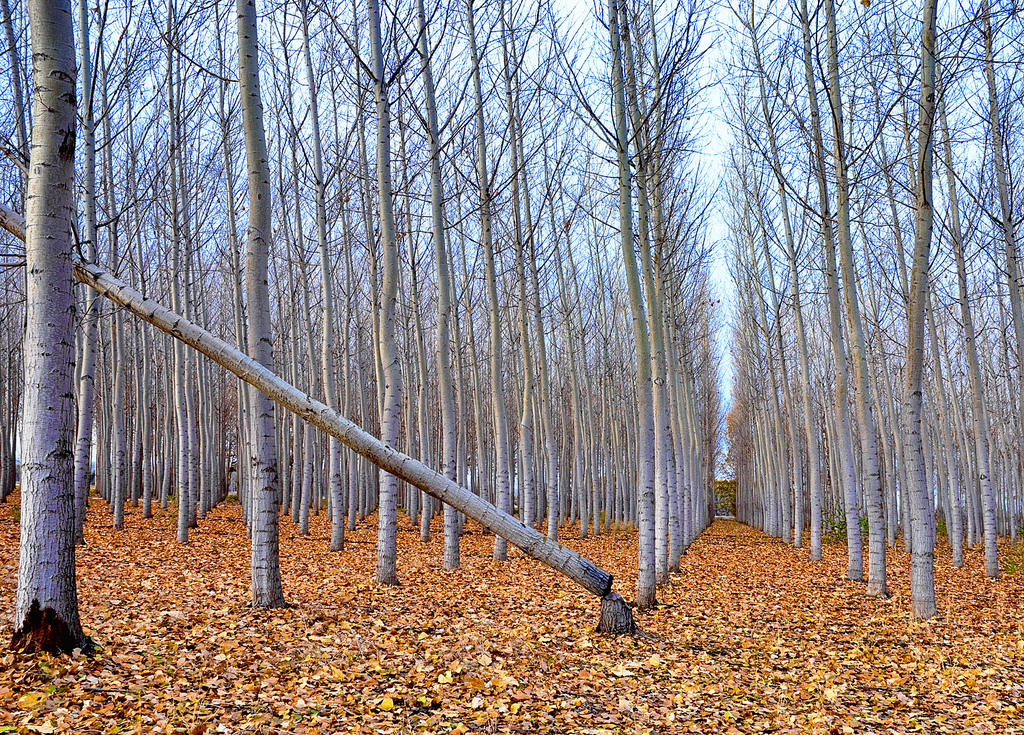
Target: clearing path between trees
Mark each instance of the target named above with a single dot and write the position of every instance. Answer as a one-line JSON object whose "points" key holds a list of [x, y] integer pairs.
{"points": [[752, 637]]}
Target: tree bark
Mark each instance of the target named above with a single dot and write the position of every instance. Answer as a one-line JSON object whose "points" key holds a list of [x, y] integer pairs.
{"points": [[534, 544], [387, 515], [46, 603], [503, 499], [646, 580], [922, 568], [266, 570], [444, 311]]}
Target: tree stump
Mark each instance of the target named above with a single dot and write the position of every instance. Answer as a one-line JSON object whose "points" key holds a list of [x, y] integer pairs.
{"points": [[616, 616]]}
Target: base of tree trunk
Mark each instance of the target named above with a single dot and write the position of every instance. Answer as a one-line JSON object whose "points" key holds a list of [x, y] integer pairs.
{"points": [[616, 616], [45, 631]]}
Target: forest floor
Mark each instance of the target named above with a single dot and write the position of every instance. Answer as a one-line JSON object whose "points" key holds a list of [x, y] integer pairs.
{"points": [[751, 637]]}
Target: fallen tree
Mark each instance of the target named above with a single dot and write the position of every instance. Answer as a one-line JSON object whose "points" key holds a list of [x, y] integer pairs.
{"points": [[616, 615]]}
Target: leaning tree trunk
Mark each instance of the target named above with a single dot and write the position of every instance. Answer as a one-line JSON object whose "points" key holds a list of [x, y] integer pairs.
{"points": [[534, 544], [266, 570], [801, 338], [46, 603], [848, 480], [871, 477]]}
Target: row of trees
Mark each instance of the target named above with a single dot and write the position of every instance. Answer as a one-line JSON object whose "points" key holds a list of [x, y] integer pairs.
{"points": [[481, 223], [879, 337]]}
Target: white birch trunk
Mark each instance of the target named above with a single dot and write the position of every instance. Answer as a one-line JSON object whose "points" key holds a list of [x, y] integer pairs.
{"points": [[266, 572], [922, 569], [87, 373], [46, 603], [391, 370], [647, 560], [503, 499]]}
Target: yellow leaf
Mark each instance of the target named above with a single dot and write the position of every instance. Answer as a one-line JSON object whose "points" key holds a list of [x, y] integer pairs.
{"points": [[445, 678], [619, 670], [484, 660], [31, 700], [831, 694], [386, 704]]}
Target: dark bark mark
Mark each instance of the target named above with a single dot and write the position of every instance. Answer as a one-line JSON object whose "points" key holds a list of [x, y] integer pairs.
{"points": [[45, 631], [66, 152]]}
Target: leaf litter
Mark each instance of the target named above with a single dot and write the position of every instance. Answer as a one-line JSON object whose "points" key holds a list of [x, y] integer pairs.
{"points": [[750, 637]]}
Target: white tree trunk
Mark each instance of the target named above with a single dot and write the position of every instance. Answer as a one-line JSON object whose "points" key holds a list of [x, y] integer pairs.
{"points": [[646, 579], [266, 571], [87, 373], [449, 435], [503, 499], [922, 569], [335, 488], [533, 543], [387, 525], [848, 479], [46, 602]]}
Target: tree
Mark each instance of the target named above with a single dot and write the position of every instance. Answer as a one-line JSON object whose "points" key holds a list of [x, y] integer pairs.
{"points": [[646, 581], [46, 606], [387, 519], [266, 570], [444, 310], [922, 570]]}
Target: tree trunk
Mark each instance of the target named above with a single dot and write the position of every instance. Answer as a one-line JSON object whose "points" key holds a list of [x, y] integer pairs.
{"points": [[848, 481], [922, 569], [266, 571], [46, 603], [646, 580], [503, 499], [444, 310], [534, 544], [87, 373], [387, 517]]}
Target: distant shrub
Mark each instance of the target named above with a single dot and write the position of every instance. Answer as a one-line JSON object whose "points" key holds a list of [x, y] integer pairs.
{"points": [[833, 526], [1013, 561], [725, 497]]}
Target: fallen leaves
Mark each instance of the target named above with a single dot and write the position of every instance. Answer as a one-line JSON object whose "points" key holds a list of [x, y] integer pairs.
{"points": [[751, 638], [31, 700], [620, 671]]}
